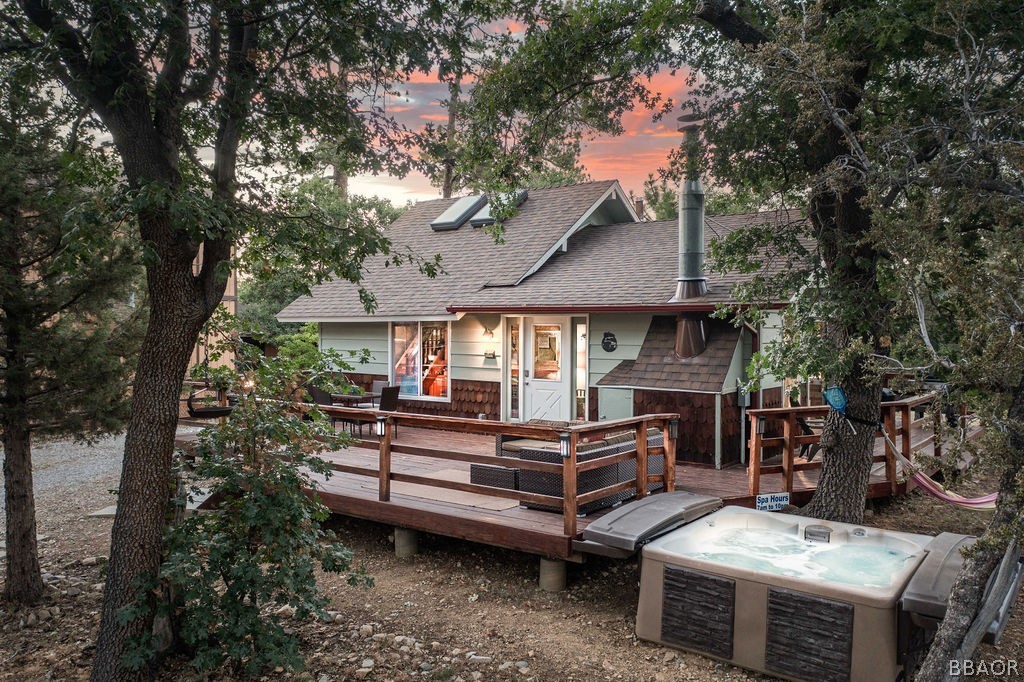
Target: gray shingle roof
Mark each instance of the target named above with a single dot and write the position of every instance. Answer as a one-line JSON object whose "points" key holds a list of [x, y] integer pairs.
{"points": [[657, 367], [629, 264], [470, 257]]}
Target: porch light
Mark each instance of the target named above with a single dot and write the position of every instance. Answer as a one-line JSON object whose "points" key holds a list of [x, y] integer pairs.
{"points": [[673, 429], [490, 352], [381, 423], [760, 425], [563, 445]]}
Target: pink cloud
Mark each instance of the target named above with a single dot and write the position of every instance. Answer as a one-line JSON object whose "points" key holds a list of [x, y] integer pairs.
{"points": [[420, 77]]}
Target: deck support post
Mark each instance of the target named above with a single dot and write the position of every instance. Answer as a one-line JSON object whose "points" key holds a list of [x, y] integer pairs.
{"points": [[405, 543], [552, 575]]}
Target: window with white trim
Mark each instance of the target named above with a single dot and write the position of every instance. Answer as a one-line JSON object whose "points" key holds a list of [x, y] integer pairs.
{"points": [[420, 358]]}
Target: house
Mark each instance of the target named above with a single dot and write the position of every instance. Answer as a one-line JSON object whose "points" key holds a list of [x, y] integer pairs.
{"points": [[584, 312]]}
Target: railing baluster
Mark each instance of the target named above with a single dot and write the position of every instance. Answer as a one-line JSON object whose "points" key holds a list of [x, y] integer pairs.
{"points": [[669, 436], [569, 475], [788, 450], [384, 467], [889, 424], [754, 460], [641, 459]]}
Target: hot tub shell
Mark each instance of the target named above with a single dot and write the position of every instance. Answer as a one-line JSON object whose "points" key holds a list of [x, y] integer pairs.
{"points": [[796, 627]]}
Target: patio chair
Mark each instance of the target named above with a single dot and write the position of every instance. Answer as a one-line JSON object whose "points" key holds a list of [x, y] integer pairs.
{"points": [[389, 401], [378, 386], [322, 397]]}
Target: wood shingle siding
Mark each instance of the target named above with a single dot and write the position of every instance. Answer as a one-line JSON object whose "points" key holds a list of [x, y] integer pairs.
{"points": [[696, 421], [657, 367], [469, 399]]}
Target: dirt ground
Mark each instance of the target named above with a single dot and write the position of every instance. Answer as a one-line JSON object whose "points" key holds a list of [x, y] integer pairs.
{"points": [[456, 611]]}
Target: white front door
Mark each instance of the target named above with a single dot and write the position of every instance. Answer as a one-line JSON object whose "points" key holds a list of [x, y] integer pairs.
{"points": [[547, 368]]}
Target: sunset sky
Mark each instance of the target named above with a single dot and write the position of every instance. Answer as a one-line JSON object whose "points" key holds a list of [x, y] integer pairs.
{"points": [[629, 158]]}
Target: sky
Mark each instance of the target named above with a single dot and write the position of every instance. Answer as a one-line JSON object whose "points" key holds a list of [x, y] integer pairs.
{"points": [[629, 158]]}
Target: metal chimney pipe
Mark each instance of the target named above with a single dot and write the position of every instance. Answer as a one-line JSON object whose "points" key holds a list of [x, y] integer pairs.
{"points": [[691, 281]]}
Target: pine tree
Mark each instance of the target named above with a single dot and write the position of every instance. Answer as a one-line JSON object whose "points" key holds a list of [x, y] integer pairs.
{"points": [[65, 323]]}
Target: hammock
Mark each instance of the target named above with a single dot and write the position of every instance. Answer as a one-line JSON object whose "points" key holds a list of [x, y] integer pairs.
{"points": [[836, 399], [937, 491]]}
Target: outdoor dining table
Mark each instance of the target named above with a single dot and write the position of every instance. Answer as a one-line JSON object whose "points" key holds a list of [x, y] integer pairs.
{"points": [[349, 399]]}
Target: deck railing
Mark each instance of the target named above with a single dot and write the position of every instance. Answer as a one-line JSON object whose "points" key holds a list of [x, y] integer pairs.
{"points": [[909, 427], [567, 440]]}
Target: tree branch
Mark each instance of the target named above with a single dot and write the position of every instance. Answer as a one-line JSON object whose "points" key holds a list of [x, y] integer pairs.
{"points": [[723, 17], [201, 85], [167, 89], [71, 46]]}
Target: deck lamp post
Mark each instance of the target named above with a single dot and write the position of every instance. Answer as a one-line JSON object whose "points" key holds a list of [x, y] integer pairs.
{"points": [[760, 425], [673, 429], [563, 445], [381, 423]]}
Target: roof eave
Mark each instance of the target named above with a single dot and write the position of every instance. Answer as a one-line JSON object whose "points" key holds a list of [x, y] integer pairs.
{"points": [[450, 315], [615, 308]]}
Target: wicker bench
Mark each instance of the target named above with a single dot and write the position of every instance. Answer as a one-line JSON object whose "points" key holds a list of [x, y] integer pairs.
{"points": [[544, 483]]}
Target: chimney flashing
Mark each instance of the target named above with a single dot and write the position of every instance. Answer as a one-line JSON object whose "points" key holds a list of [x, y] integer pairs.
{"points": [[690, 338]]}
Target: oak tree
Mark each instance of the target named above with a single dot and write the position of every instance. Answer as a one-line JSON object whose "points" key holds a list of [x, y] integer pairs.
{"points": [[203, 101]]}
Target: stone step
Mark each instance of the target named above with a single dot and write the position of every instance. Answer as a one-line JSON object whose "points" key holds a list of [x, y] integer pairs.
{"points": [[194, 506]]}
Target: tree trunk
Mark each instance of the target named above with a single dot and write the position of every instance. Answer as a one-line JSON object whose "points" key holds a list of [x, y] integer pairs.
{"points": [[178, 312], [840, 224], [969, 587], [847, 451], [24, 580], [340, 179], [448, 181]]}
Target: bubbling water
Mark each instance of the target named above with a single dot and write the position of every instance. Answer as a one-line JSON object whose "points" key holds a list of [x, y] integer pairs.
{"points": [[786, 554]]}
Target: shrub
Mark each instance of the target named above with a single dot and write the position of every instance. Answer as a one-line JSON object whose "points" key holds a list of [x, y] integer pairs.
{"points": [[232, 569]]}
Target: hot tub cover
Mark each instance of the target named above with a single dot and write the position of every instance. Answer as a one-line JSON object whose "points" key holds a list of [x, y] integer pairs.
{"points": [[632, 525]]}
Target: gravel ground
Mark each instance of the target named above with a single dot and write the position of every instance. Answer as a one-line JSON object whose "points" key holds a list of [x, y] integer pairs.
{"points": [[457, 611]]}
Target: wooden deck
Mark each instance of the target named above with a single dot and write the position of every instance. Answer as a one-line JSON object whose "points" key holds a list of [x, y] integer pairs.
{"points": [[419, 479], [489, 516]]}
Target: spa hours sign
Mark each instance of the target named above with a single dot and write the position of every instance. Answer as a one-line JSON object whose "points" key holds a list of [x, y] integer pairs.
{"points": [[772, 501]]}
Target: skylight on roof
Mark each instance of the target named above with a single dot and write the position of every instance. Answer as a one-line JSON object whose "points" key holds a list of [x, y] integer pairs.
{"points": [[457, 213], [483, 216]]}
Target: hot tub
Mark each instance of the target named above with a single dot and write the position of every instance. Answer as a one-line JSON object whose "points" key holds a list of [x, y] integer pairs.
{"points": [[786, 595]]}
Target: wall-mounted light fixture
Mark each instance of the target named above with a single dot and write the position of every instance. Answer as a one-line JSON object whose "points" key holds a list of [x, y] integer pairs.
{"points": [[381, 424], [563, 445], [490, 352]]}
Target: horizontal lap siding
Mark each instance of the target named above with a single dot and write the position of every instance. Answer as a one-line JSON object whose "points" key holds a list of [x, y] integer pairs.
{"points": [[468, 346], [630, 332], [354, 337]]}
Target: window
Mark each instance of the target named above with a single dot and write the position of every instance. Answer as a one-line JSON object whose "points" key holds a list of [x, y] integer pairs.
{"points": [[420, 352], [547, 363]]}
